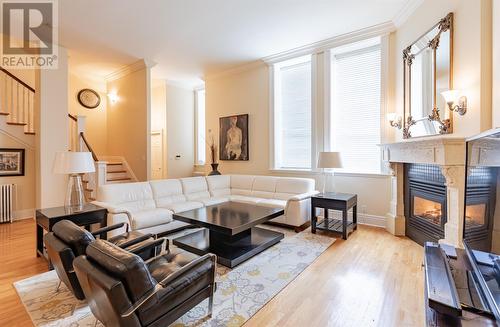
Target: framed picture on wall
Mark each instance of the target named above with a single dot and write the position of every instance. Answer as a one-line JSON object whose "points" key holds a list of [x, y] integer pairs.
{"points": [[233, 138], [11, 162]]}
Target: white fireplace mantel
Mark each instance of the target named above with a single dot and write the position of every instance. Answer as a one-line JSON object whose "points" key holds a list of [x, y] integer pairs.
{"points": [[448, 152]]}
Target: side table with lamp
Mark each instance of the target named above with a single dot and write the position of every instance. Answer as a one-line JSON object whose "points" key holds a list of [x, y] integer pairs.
{"points": [[333, 201], [75, 209]]}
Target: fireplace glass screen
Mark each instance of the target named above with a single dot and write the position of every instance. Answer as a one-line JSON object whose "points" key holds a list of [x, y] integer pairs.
{"points": [[475, 215], [428, 210]]}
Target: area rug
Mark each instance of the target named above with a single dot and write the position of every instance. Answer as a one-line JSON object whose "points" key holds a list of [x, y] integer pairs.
{"points": [[241, 292]]}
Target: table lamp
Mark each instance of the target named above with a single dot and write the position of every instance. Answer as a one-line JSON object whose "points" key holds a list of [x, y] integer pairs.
{"points": [[74, 164], [328, 160]]}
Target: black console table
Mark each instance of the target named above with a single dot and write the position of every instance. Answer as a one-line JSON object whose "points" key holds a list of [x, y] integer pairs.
{"points": [[335, 201], [47, 218]]}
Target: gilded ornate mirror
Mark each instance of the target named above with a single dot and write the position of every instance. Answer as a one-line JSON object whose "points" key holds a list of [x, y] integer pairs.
{"points": [[428, 71]]}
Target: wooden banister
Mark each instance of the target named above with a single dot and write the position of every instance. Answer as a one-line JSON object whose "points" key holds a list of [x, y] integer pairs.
{"points": [[17, 79], [94, 156]]}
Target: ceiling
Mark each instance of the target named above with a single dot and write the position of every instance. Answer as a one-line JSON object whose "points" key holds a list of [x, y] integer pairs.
{"points": [[189, 39]]}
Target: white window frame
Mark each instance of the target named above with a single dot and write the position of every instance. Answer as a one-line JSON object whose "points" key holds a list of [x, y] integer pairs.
{"points": [[275, 103], [197, 144], [321, 97]]}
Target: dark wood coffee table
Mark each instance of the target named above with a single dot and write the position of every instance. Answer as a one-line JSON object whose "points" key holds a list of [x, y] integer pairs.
{"points": [[229, 231]]}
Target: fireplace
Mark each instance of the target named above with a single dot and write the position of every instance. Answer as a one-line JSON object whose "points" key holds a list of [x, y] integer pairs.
{"points": [[480, 198], [425, 202]]}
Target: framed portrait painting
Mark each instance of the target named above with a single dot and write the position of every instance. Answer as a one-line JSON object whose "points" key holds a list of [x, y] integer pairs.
{"points": [[11, 162], [233, 138]]}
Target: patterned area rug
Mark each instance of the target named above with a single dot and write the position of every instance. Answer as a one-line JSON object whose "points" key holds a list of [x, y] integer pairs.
{"points": [[241, 292]]}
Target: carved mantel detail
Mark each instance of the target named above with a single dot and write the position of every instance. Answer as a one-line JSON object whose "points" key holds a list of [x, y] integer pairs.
{"points": [[448, 152]]}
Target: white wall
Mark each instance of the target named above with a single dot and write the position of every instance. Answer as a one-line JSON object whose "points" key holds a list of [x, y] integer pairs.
{"points": [[180, 131], [52, 131]]}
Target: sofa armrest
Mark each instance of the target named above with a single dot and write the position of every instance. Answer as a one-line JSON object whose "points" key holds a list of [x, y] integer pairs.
{"points": [[303, 196], [114, 210]]}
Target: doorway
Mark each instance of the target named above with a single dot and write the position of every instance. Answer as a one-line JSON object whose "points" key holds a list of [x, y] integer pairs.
{"points": [[157, 155]]}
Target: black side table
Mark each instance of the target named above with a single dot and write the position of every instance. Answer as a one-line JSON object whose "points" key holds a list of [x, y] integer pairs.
{"points": [[335, 201], [47, 218]]}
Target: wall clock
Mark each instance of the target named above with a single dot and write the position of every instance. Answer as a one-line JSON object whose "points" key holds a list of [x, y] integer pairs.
{"points": [[89, 98]]}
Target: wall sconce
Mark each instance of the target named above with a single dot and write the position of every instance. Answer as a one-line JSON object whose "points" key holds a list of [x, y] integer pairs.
{"points": [[453, 96], [113, 97], [394, 120]]}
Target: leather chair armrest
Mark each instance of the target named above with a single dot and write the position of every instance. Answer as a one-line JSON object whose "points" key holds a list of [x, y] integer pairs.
{"points": [[136, 240], [146, 246], [107, 229], [168, 279]]}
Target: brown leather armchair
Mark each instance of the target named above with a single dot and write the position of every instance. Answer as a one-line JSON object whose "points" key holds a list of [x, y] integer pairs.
{"points": [[124, 290], [68, 241]]}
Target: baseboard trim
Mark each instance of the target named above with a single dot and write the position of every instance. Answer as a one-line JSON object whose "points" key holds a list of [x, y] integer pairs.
{"points": [[23, 214]]}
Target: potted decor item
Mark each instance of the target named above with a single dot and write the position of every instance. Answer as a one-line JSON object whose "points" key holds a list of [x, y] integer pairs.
{"points": [[213, 157]]}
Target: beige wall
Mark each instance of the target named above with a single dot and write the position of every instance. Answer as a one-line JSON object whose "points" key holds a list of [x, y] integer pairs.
{"points": [[96, 119], [472, 56], [26, 199], [247, 92], [128, 120], [180, 131]]}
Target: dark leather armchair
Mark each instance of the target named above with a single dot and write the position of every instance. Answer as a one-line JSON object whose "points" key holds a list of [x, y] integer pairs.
{"points": [[124, 290], [68, 241]]}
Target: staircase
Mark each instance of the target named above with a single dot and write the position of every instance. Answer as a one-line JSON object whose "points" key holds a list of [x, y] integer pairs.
{"points": [[17, 109]]}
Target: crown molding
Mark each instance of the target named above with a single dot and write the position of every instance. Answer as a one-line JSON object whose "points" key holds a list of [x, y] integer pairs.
{"points": [[129, 69], [358, 35], [408, 9], [235, 70]]}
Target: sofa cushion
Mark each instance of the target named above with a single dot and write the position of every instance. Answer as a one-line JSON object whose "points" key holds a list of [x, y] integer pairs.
{"points": [[219, 185], [280, 204], [245, 199], [152, 217], [167, 191], [195, 188], [129, 196], [286, 187], [264, 187], [184, 206], [241, 184]]}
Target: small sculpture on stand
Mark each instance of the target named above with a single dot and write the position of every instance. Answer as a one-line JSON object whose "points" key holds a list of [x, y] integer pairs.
{"points": [[213, 156]]}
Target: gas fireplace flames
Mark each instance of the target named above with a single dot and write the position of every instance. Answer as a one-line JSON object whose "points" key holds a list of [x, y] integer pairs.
{"points": [[433, 215]]}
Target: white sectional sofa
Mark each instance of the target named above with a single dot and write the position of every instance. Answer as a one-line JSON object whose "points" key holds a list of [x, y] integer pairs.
{"points": [[149, 206]]}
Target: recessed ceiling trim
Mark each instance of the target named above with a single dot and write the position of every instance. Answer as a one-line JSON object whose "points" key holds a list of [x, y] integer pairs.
{"points": [[358, 35], [129, 69], [404, 14]]}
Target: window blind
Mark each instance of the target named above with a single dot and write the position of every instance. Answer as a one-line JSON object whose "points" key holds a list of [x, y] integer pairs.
{"points": [[356, 105], [293, 116]]}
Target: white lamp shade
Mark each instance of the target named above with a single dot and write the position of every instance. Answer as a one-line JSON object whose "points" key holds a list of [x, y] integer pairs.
{"points": [[73, 163], [450, 96], [329, 160]]}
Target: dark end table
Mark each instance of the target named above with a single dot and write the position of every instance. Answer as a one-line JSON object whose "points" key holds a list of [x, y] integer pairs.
{"points": [[335, 201], [47, 218]]}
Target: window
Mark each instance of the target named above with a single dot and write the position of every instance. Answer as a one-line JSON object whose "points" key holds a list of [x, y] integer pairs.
{"points": [[292, 114], [200, 127], [356, 105]]}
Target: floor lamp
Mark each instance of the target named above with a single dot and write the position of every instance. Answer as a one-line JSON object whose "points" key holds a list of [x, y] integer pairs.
{"points": [[74, 164], [328, 160]]}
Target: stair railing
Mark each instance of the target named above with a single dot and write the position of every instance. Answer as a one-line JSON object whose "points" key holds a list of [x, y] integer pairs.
{"points": [[17, 101]]}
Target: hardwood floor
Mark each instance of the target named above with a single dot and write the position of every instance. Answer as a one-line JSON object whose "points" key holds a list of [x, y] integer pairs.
{"points": [[372, 279]]}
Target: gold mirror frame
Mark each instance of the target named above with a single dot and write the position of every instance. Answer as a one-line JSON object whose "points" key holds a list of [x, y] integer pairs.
{"points": [[445, 125]]}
